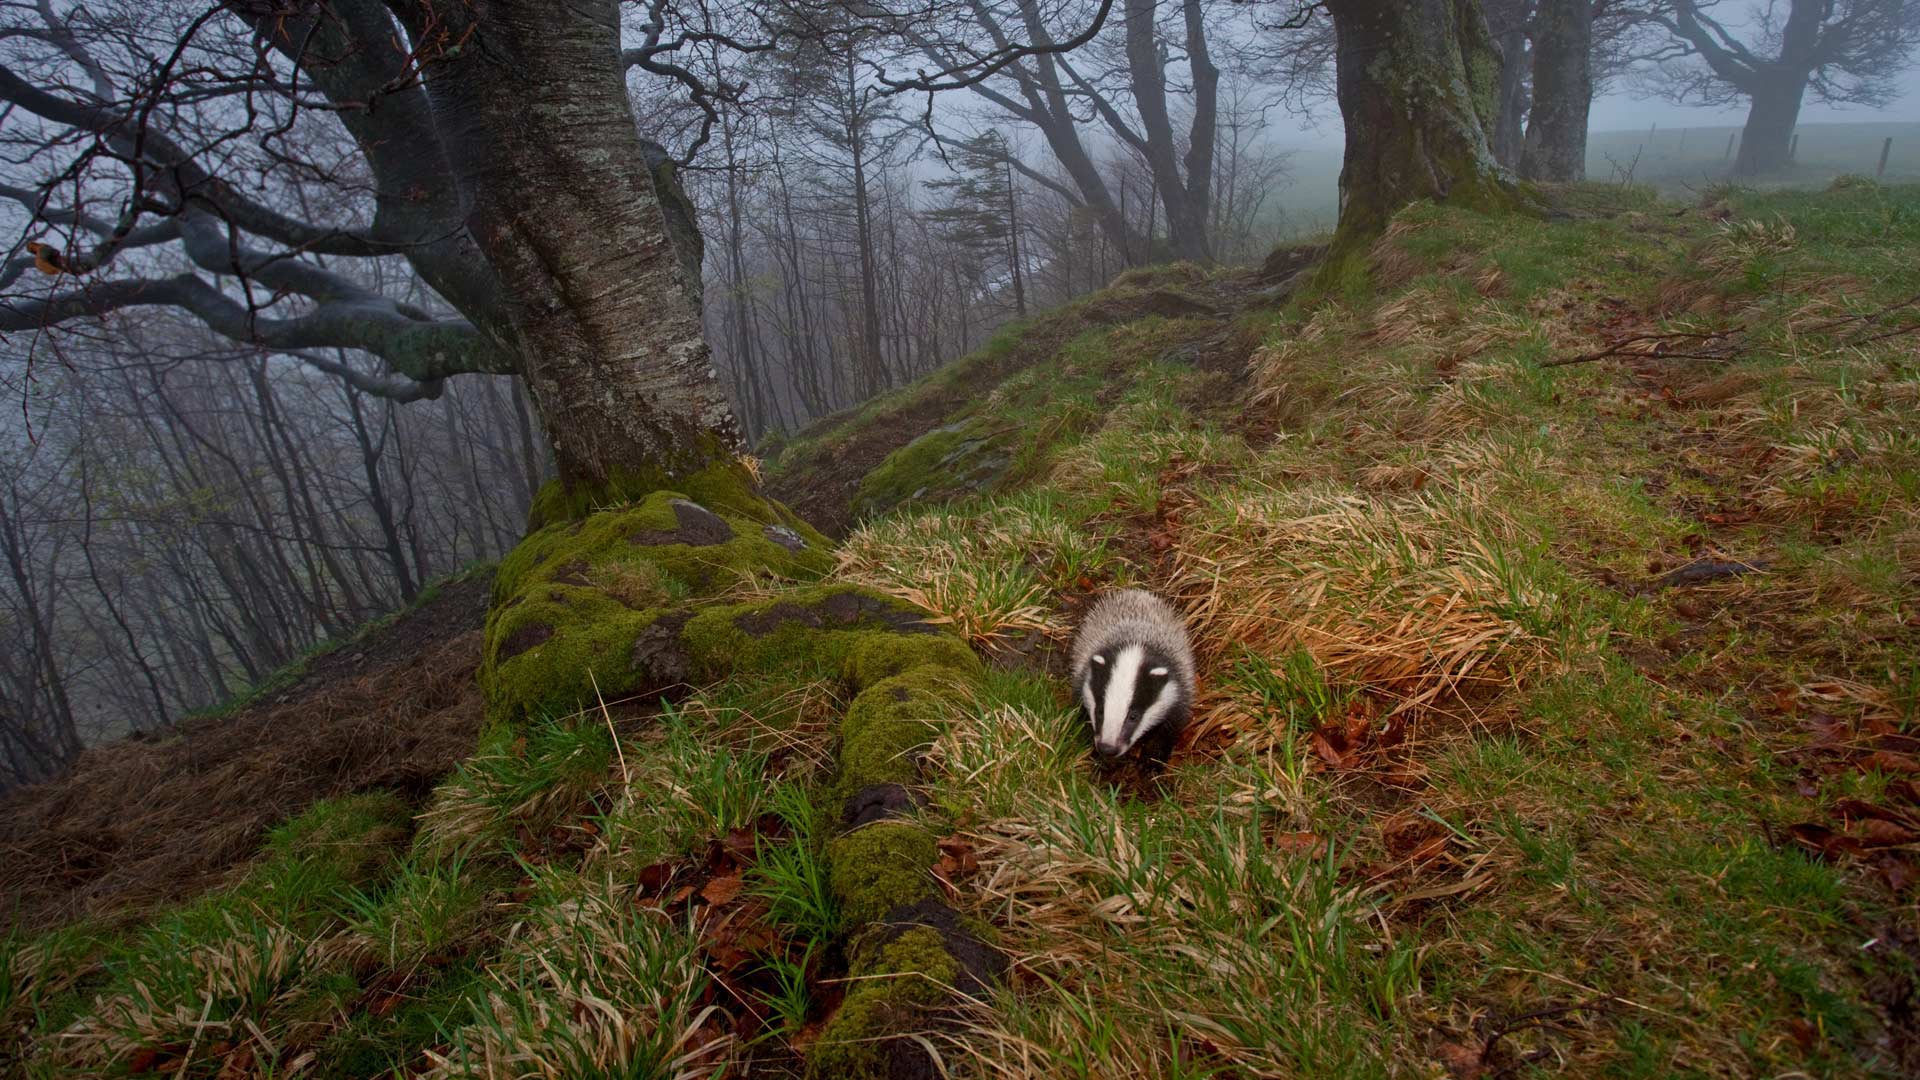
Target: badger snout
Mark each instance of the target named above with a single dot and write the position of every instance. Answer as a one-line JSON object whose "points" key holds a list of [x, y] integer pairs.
{"points": [[1108, 749]]}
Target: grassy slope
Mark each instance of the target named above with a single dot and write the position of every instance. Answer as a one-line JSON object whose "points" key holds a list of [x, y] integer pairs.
{"points": [[1492, 803], [1466, 795]]}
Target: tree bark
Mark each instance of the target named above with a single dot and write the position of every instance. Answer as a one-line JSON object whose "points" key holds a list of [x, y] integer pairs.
{"points": [[604, 313], [1416, 85], [1771, 118], [1556, 147], [1509, 128]]}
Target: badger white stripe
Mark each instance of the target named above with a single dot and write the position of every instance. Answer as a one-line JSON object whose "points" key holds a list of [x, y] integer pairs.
{"points": [[1113, 716], [1156, 712]]}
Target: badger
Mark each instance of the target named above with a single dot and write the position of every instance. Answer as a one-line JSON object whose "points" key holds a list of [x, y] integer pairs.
{"points": [[1133, 673]]}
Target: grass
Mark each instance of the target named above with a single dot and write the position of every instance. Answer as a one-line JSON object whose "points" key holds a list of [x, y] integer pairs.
{"points": [[1467, 794]]}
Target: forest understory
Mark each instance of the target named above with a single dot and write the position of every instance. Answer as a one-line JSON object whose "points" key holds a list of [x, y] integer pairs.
{"points": [[1557, 595]]}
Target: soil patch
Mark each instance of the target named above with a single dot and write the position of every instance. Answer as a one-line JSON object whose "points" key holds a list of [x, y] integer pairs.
{"points": [[159, 817]]}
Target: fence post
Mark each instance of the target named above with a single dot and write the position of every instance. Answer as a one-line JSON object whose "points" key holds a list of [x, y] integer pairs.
{"points": [[1731, 135], [1885, 149], [1793, 148]]}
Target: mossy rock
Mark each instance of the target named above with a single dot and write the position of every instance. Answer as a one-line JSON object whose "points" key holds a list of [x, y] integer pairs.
{"points": [[588, 609], [835, 631], [962, 458]]}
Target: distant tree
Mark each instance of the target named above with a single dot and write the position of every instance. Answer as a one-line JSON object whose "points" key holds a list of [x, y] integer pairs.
{"points": [[1512, 25], [1842, 51], [982, 215], [1562, 60]]}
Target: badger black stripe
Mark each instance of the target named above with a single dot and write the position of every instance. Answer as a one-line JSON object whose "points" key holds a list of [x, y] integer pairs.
{"points": [[1146, 690], [1099, 675]]}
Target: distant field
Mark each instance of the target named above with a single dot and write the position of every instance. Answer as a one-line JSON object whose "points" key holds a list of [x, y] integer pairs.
{"points": [[1673, 159], [1670, 159]]}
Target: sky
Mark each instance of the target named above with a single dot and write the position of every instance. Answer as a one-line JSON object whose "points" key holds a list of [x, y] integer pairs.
{"points": [[1618, 111]]}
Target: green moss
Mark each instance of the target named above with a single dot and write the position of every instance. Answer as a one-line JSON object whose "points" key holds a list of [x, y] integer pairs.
{"points": [[879, 867], [813, 631], [571, 600], [911, 973], [888, 723], [724, 484], [964, 457], [873, 657], [587, 656]]}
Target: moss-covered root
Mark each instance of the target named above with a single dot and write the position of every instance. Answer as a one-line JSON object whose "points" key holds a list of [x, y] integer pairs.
{"points": [[592, 607], [909, 956]]}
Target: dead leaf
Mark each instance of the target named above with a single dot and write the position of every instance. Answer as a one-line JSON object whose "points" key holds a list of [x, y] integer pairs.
{"points": [[1879, 833], [654, 878], [1803, 1034], [1299, 843], [722, 890], [1905, 790], [1429, 850], [1461, 1061], [1888, 761], [47, 259], [1861, 810], [1823, 841]]}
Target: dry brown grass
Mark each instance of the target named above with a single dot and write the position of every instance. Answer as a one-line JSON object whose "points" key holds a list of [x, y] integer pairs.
{"points": [[595, 984], [975, 572], [1408, 597], [143, 821], [253, 968]]}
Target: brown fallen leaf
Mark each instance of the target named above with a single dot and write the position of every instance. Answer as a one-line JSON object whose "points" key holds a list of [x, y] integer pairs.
{"points": [[1861, 810], [1299, 843], [1888, 761], [1429, 850], [654, 878], [722, 890], [1905, 790], [1878, 833], [1461, 1061], [1824, 841]]}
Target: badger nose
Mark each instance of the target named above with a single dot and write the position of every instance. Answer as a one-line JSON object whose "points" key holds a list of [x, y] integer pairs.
{"points": [[1106, 749]]}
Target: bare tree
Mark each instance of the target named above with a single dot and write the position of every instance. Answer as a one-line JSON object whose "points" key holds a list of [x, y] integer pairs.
{"points": [[1843, 51]]}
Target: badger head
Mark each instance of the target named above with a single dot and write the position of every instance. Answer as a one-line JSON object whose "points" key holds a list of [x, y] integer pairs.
{"points": [[1128, 690]]}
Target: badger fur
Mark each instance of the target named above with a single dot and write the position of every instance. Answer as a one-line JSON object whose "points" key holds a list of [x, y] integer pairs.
{"points": [[1133, 673]]}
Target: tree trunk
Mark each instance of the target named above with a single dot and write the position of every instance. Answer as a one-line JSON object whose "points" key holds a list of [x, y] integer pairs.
{"points": [[1509, 126], [1770, 122], [1416, 85], [567, 214], [1562, 92]]}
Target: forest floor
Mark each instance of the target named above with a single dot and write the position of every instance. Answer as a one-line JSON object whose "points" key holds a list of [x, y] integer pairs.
{"points": [[150, 819], [1557, 598]]}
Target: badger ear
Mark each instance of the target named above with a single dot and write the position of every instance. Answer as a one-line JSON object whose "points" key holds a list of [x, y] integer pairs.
{"points": [[1158, 672], [1098, 659]]}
